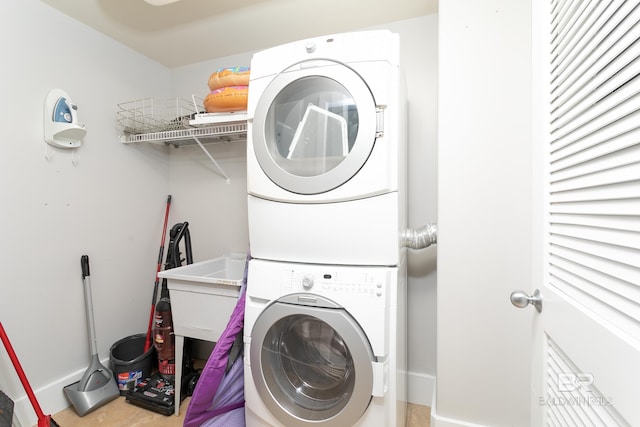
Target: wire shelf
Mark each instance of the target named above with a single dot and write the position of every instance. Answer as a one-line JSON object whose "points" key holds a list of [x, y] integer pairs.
{"points": [[150, 115], [178, 121], [222, 132]]}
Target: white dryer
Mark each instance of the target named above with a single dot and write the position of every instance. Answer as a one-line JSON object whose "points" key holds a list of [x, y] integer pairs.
{"points": [[325, 345], [326, 150]]}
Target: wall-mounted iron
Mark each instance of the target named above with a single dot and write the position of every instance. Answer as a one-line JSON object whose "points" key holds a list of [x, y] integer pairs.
{"points": [[61, 127]]}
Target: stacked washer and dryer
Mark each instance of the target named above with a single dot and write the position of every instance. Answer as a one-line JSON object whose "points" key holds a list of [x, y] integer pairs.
{"points": [[325, 316]]}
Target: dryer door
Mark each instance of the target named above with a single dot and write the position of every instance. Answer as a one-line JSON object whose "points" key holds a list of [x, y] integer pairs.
{"points": [[311, 365], [314, 126]]}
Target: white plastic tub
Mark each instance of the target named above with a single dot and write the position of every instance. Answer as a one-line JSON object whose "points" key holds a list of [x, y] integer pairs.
{"points": [[204, 294]]}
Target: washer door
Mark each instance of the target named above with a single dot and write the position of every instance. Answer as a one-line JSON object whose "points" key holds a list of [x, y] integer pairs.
{"points": [[314, 126], [311, 364]]}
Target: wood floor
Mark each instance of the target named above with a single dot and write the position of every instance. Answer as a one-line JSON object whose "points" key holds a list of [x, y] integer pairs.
{"points": [[120, 413]]}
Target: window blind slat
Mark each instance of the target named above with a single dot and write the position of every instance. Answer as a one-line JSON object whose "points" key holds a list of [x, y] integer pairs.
{"points": [[622, 277], [627, 190], [607, 125], [619, 207], [608, 29], [570, 28], [597, 175], [597, 13], [625, 134], [614, 253], [605, 113], [619, 238], [558, 12], [588, 101], [616, 222]]}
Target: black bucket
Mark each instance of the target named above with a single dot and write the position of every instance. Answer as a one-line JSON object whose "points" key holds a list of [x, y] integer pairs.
{"points": [[130, 363]]}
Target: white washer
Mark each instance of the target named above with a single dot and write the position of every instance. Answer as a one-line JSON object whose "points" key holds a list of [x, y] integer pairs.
{"points": [[326, 150], [325, 345]]}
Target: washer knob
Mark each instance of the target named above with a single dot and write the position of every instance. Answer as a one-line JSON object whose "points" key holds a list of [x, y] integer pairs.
{"points": [[307, 282]]}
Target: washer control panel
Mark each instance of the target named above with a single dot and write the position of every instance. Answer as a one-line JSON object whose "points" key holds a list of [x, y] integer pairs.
{"points": [[328, 281], [364, 288]]}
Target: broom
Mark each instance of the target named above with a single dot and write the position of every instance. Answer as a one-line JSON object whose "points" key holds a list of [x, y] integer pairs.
{"points": [[43, 420]]}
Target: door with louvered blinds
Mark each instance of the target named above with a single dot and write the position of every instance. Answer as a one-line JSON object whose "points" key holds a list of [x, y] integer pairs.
{"points": [[587, 103]]}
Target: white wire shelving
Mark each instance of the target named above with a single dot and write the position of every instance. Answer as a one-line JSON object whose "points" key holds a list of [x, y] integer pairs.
{"points": [[177, 122]]}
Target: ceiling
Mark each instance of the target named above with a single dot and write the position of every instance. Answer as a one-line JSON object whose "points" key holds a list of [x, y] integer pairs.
{"points": [[191, 31]]}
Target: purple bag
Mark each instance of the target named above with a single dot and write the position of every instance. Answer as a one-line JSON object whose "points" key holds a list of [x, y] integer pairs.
{"points": [[218, 399]]}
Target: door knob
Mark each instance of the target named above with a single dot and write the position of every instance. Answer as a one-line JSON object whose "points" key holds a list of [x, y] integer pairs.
{"points": [[520, 299]]}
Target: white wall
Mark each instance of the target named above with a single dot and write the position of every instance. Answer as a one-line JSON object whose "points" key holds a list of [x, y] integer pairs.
{"points": [[217, 211], [485, 213], [109, 206]]}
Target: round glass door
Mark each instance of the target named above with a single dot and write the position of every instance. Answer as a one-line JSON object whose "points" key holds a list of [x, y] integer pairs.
{"points": [[314, 127], [311, 365]]}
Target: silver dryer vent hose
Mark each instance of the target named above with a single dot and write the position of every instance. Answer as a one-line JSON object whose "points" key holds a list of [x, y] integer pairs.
{"points": [[420, 238]]}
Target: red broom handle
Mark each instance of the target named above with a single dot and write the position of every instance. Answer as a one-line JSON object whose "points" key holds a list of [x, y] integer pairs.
{"points": [[20, 372], [147, 341]]}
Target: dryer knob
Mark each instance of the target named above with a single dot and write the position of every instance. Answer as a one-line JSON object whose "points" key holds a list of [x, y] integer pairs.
{"points": [[310, 47], [307, 282]]}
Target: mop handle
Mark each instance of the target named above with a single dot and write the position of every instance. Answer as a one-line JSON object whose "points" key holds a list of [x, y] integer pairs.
{"points": [[20, 372], [88, 299]]}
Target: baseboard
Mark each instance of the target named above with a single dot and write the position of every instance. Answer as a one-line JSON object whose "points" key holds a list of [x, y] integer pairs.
{"points": [[50, 397], [421, 388], [439, 421]]}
